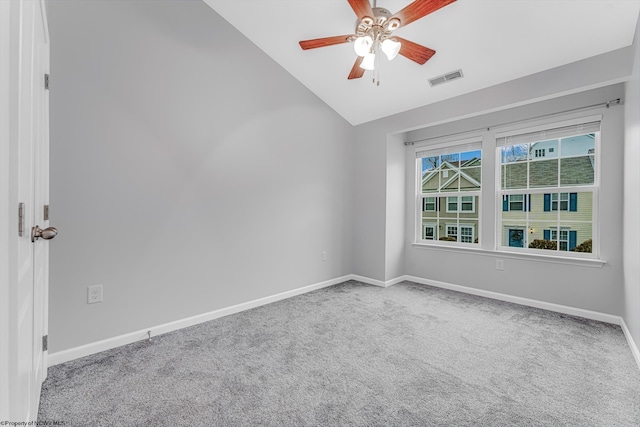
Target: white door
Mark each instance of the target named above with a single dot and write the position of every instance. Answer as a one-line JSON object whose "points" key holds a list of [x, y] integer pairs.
{"points": [[25, 61]]}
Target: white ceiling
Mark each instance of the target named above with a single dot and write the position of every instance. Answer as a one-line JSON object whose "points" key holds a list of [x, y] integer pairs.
{"points": [[492, 41]]}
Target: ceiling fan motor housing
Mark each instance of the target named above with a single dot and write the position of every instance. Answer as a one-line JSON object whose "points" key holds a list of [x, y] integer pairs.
{"points": [[379, 25]]}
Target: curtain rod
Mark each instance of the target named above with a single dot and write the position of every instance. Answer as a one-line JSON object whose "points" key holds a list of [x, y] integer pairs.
{"points": [[606, 104]]}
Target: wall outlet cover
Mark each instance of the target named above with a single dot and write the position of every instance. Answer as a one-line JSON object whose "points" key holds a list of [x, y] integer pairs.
{"points": [[94, 294]]}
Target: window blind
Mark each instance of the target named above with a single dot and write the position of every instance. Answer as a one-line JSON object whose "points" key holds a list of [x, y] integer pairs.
{"points": [[543, 135], [441, 149]]}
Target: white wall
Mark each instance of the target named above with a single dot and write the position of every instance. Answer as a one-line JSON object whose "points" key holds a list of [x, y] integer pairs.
{"points": [[571, 86], [189, 172], [632, 197]]}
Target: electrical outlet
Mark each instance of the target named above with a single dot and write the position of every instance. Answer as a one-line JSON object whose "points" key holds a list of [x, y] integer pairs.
{"points": [[324, 255], [94, 294], [499, 264]]}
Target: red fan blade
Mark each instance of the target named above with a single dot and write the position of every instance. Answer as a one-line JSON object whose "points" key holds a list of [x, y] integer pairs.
{"points": [[414, 51], [356, 71], [362, 8], [419, 9], [326, 41]]}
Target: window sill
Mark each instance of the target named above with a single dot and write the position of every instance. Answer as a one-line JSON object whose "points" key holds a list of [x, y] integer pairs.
{"points": [[584, 262]]}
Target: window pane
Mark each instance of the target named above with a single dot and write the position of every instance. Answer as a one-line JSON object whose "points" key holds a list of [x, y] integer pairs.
{"points": [[470, 178], [544, 150], [580, 207], [543, 173], [430, 179], [516, 202], [450, 181], [442, 216], [452, 204], [514, 234], [514, 175], [429, 204], [451, 172], [581, 145], [452, 159], [577, 171], [430, 163], [514, 153], [577, 166]]}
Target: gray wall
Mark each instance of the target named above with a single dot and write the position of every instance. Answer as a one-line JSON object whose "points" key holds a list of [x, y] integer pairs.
{"points": [[567, 87], [189, 172], [375, 180], [632, 197], [586, 287]]}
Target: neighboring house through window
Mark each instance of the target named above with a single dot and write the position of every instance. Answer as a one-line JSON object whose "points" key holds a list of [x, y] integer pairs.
{"points": [[546, 189], [449, 188], [547, 183]]}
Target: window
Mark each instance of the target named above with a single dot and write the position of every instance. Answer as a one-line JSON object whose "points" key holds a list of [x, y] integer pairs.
{"points": [[515, 202], [461, 204], [547, 183], [466, 234], [452, 231], [429, 232], [429, 204], [561, 201], [566, 239], [449, 188]]}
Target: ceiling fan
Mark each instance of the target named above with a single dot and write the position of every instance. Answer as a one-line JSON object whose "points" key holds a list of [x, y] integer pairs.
{"points": [[374, 33]]}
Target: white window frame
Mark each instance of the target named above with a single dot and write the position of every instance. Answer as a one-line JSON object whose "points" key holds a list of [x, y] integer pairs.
{"points": [[592, 188], [447, 146]]}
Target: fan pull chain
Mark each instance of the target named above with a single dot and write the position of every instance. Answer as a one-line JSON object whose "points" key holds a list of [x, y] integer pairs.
{"points": [[376, 68]]}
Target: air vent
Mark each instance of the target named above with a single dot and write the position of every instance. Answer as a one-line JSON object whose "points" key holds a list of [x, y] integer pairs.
{"points": [[453, 75]]}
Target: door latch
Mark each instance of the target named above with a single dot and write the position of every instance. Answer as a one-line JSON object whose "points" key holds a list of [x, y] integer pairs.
{"points": [[20, 219]]}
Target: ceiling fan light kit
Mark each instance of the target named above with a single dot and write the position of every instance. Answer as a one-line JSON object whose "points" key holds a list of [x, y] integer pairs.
{"points": [[369, 62], [362, 45], [391, 48], [374, 34]]}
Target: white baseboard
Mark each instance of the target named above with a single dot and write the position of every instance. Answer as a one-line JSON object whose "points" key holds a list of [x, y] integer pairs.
{"points": [[376, 282], [109, 343], [588, 314], [98, 346], [635, 350]]}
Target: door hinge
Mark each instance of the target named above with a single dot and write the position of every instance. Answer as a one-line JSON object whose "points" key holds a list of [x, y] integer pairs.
{"points": [[45, 214], [46, 81], [20, 219], [45, 343]]}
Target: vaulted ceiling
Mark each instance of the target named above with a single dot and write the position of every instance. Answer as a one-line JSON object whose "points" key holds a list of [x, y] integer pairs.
{"points": [[491, 41]]}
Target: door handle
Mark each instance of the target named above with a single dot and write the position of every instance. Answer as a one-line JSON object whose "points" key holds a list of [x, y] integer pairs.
{"points": [[47, 234]]}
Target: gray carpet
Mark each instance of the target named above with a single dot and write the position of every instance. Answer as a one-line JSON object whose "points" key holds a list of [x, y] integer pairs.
{"points": [[352, 354]]}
